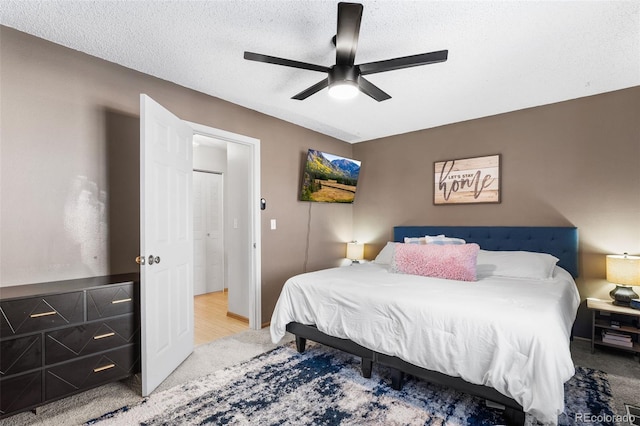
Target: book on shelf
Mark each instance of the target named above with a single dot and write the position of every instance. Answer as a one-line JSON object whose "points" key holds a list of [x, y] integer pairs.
{"points": [[628, 344], [618, 339], [616, 335]]}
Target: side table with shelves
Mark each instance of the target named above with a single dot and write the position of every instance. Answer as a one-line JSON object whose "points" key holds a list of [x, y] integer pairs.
{"points": [[609, 318]]}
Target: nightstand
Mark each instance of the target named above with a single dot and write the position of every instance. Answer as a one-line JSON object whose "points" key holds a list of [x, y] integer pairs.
{"points": [[611, 323]]}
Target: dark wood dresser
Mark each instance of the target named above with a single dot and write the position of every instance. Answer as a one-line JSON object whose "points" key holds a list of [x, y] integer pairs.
{"points": [[63, 337]]}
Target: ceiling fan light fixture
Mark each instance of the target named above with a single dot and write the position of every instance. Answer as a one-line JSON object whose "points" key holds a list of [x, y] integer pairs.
{"points": [[343, 82], [343, 90], [346, 78]]}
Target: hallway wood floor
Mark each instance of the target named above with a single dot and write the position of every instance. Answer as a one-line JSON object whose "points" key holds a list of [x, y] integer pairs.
{"points": [[210, 318]]}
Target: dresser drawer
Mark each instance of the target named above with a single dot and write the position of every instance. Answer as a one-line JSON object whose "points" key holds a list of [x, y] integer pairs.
{"points": [[111, 301], [91, 371], [20, 354], [40, 313], [73, 342], [18, 392]]}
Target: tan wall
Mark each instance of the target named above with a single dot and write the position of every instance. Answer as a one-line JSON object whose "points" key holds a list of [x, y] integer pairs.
{"points": [[69, 172], [575, 163], [70, 169]]}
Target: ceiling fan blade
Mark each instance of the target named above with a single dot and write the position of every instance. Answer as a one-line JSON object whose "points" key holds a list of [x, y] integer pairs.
{"points": [[311, 90], [370, 89], [349, 17], [404, 62], [284, 62]]}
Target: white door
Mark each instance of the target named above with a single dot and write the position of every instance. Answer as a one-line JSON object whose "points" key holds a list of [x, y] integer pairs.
{"points": [[166, 242], [208, 232]]}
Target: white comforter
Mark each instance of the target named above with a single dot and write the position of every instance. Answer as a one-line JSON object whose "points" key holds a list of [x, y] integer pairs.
{"points": [[509, 334]]}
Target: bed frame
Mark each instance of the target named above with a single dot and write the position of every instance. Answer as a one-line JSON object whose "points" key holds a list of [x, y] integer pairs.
{"points": [[561, 242]]}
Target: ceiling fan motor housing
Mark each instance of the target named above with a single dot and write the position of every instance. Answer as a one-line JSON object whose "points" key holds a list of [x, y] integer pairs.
{"points": [[340, 74]]}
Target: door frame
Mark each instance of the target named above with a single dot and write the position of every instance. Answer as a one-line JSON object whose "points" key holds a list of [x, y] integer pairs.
{"points": [[255, 289]]}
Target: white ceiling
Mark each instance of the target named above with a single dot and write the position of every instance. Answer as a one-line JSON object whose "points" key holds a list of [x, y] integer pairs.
{"points": [[503, 55]]}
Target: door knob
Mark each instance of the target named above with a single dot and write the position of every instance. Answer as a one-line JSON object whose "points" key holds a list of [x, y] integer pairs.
{"points": [[153, 259], [140, 260]]}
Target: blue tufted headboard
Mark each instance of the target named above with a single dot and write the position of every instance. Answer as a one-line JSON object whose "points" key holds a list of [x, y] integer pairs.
{"points": [[561, 242]]}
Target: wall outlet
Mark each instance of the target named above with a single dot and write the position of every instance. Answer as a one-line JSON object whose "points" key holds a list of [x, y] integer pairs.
{"points": [[273, 224]]}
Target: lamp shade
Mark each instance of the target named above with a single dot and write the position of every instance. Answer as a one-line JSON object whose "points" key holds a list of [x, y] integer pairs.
{"points": [[355, 250], [623, 269]]}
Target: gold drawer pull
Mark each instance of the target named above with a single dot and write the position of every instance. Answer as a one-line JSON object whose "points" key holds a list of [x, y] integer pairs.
{"points": [[43, 314], [102, 336], [106, 367], [113, 302]]}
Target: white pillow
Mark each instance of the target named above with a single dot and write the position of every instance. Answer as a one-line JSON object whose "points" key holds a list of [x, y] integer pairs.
{"points": [[442, 240], [415, 240], [515, 264], [386, 254]]}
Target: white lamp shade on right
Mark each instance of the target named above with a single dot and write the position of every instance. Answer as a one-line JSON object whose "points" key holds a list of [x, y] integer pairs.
{"points": [[623, 269]]}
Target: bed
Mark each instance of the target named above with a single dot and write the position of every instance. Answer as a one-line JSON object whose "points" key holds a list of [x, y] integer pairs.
{"points": [[501, 338]]}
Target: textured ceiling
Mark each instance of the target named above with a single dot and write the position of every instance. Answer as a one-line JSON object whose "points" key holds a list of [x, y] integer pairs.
{"points": [[503, 55]]}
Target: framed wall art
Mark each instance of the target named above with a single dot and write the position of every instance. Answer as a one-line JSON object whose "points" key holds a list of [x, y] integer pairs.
{"points": [[467, 180]]}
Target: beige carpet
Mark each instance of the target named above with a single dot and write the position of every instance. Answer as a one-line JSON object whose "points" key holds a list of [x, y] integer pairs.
{"points": [[622, 368]]}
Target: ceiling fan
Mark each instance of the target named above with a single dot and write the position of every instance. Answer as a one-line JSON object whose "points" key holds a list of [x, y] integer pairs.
{"points": [[344, 78]]}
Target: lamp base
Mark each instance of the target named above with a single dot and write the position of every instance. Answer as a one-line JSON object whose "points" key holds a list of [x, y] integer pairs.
{"points": [[622, 295]]}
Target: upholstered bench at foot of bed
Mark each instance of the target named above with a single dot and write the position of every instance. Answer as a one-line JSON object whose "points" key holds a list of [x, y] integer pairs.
{"points": [[304, 332]]}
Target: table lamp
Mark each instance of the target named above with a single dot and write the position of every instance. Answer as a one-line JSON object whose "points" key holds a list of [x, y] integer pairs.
{"points": [[355, 251], [624, 272]]}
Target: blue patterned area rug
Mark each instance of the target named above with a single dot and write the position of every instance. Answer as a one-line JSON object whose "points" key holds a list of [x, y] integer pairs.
{"points": [[324, 387]]}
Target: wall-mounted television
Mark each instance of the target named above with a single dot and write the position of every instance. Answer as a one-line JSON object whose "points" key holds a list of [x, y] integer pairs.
{"points": [[329, 178]]}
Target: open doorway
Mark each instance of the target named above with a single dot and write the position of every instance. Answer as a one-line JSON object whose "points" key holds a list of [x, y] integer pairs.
{"points": [[218, 198]]}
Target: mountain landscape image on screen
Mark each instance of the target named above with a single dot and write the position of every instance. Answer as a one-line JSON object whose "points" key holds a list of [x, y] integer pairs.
{"points": [[329, 178]]}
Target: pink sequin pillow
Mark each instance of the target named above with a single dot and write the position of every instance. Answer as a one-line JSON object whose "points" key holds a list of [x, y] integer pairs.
{"points": [[453, 262]]}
